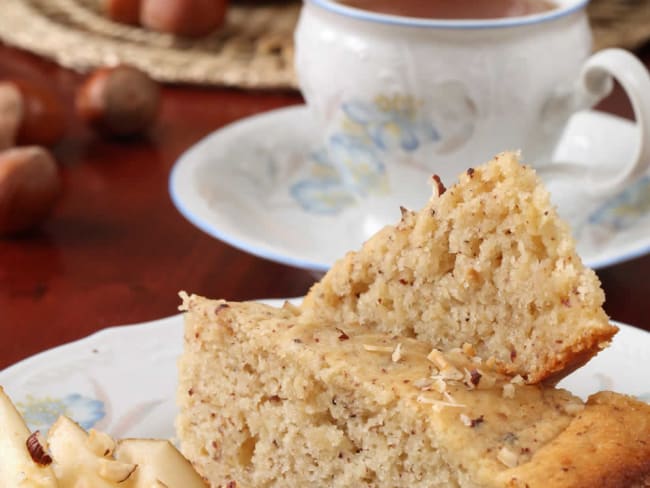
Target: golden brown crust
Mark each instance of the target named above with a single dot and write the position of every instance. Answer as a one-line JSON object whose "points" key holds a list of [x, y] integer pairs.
{"points": [[573, 358], [606, 446]]}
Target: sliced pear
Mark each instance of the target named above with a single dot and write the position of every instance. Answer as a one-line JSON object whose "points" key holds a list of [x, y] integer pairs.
{"points": [[159, 463], [100, 443], [17, 467], [115, 470], [80, 459]]}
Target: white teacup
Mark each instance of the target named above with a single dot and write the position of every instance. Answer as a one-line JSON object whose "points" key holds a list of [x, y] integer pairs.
{"points": [[442, 95]]}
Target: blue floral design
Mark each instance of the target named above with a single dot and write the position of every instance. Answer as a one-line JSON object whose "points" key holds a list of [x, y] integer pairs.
{"points": [[40, 413], [390, 125], [352, 165], [360, 166], [322, 197], [349, 170], [625, 209]]}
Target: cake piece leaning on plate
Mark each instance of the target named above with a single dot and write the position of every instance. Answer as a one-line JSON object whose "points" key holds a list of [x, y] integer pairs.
{"points": [[266, 400], [486, 262]]}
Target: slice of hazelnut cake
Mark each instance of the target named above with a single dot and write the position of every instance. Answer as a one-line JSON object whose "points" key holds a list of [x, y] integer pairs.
{"points": [[486, 262], [268, 401]]}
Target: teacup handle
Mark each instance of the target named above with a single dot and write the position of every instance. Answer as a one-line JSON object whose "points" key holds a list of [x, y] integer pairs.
{"points": [[595, 83]]}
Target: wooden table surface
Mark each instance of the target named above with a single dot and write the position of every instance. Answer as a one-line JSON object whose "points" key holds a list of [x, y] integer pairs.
{"points": [[116, 251]]}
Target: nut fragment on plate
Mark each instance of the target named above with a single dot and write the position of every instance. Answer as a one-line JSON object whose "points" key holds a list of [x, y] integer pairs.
{"points": [[73, 458], [17, 466], [36, 450]]}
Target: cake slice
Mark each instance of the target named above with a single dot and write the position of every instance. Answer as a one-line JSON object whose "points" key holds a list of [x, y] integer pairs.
{"points": [[486, 262], [266, 401]]}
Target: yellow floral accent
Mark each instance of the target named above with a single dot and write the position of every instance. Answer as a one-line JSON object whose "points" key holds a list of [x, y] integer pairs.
{"points": [[320, 171], [640, 207], [36, 409], [353, 128], [405, 104]]}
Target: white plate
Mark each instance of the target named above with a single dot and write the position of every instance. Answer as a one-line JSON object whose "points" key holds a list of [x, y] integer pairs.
{"points": [[123, 379], [259, 185]]}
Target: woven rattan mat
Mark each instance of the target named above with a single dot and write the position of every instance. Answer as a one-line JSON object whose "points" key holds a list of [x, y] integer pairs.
{"points": [[253, 50]]}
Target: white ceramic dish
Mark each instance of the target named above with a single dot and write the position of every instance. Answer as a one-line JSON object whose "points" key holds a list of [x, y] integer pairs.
{"points": [[259, 186], [123, 379]]}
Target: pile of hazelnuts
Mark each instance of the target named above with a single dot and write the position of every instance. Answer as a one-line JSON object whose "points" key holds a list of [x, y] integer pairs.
{"points": [[119, 101], [189, 18]]}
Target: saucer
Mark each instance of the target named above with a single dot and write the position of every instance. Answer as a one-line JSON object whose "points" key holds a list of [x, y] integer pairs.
{"points": [[259, 185]]}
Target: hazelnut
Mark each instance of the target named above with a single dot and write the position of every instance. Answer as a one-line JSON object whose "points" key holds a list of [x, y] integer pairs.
{"points": [[123, 11], [120, 101], [11, 114], [29, 187], [42, 115], [191, 18]]}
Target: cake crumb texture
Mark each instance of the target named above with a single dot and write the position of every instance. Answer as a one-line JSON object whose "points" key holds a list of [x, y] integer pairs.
{"points": [[486, 262], [268, 402], [425, 359]]}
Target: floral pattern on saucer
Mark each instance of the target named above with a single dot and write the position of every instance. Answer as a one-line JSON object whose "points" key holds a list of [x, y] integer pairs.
{"points": [[603, 224], [625, 209], [41, 412], [338, 177]]}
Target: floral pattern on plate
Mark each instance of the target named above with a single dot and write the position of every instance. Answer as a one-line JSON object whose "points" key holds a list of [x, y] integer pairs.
{"points": [[119, 380], [41, 412]]}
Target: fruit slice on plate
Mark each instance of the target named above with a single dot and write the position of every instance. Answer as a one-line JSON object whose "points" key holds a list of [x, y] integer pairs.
{"points": [[158, 462], [85, 459], [72, 457], [21, 466]]}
